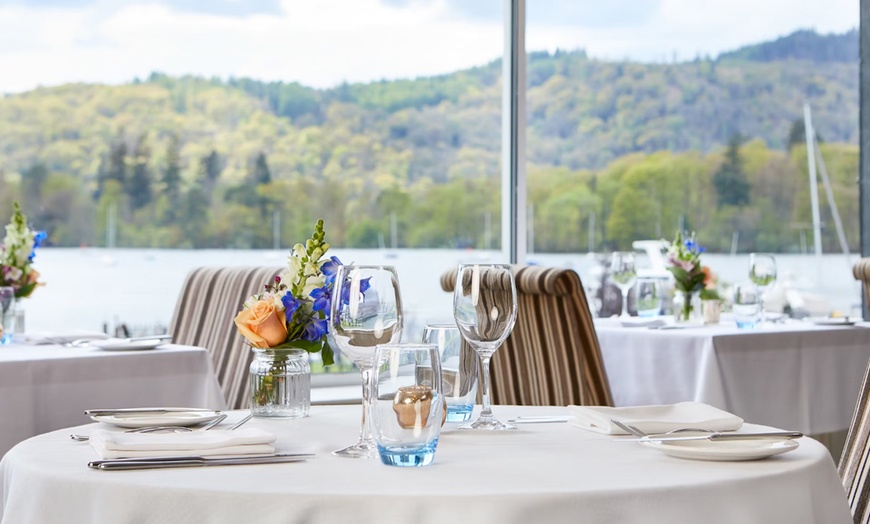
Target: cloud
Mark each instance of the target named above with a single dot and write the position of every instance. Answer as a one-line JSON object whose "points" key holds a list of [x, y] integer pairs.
{"points": [[325, 42], [237, 8]]}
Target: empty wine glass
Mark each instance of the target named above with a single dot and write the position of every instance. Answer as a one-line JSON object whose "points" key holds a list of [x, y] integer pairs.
{"points": [[366, 310], [624, 275], [485, 310], [762, 273]]}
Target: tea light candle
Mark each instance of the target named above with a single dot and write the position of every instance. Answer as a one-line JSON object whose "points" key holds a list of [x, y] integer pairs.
{"points": [[412, 405]]}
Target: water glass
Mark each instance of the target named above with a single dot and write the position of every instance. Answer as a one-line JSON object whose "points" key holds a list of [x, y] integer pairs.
{"points": [[7, 314], [648, 297], [407, 408], [747, 306], [458, 369]]}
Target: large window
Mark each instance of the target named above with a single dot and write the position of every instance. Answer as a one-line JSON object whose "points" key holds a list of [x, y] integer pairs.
{"points": [[645, 118], [150, 137]]}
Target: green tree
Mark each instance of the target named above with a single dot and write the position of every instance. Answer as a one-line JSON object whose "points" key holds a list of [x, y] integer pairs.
{"points": [[732, 188], [138, 187], [171, 180]]}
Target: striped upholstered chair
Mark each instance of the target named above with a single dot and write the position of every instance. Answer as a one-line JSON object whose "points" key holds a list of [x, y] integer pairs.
{"points": [[854, 464], [861, 271], [209, 300], [552, 357]]}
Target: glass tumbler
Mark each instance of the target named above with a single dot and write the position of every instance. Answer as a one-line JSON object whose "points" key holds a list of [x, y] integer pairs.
{"points": [[747, 306], [7, 314], [648, 297], [406, 412], [458, 369]]}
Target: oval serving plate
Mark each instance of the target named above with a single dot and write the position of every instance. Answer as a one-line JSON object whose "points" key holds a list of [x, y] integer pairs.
{"points": [[724, 450], [144, 420], [119, 344]]}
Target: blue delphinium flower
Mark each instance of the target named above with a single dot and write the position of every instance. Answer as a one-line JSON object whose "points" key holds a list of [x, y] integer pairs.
{"points": [[38, 239], [322, 296], [290, 306], [330, 268], [315, 330], [364, 286]]}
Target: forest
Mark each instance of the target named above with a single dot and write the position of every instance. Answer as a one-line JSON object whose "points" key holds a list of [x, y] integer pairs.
{"points": [[624, 150]]}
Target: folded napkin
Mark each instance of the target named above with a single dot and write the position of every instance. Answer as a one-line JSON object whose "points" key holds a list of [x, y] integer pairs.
{"points": [[654, 419], [245, 441]]}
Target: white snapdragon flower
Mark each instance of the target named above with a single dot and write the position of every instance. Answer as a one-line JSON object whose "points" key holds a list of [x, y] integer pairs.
{"points": [[311, 269], [299, 251], [313, 283]]}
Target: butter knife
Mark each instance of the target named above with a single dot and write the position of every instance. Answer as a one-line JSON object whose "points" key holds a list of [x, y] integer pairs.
{"points": [[195, 461], [721, 436]]}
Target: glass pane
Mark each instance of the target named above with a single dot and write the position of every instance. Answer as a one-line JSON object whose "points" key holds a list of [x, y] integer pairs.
{"points": [[147, 138], [648, 118]]}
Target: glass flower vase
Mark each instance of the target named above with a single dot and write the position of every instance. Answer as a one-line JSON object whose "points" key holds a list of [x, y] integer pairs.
{"points": [[280, 383], [687, 308]]}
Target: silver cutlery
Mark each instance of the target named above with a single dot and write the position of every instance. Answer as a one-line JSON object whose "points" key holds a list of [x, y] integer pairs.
{"points": [[539, 419], [712, 435], [238, 424], [195, 461], [721, 436]]}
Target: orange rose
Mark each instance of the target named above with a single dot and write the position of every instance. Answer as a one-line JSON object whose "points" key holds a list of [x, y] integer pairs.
{"points": [[709, 278], [262, 325]]}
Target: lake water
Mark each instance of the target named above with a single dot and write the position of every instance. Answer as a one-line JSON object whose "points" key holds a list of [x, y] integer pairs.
{"points": [[92, 288]]}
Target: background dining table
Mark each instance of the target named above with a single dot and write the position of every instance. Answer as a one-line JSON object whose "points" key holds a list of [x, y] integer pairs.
{"points": [[47, 387], [794, 375], [551, 472]]}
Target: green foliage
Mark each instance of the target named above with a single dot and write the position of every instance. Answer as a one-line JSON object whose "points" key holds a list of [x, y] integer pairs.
{"points": [[732, 188], [628, 149], [802, 45]]}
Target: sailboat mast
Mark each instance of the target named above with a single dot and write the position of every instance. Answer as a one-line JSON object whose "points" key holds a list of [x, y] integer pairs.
{"points": [[814, 185]]}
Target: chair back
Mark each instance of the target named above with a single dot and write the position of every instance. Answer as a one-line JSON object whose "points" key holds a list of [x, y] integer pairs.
{"points": [[552, 356], [210, 299], [854, 466], [861, 271]]}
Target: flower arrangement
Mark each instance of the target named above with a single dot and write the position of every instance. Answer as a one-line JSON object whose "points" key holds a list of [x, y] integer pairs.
{"points": [[17, 253], [690, 276], [293, 310]]}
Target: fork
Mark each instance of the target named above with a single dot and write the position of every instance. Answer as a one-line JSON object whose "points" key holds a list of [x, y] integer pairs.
{"points": [[155, 429], [638, 433]]}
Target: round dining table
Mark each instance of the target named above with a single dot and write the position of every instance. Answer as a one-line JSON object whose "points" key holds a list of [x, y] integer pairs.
{"points": [[542, 472]]}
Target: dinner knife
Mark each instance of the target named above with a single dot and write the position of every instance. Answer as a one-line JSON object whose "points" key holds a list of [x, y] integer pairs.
{"points": [[156, 411], [721, 436], [195, 461]]}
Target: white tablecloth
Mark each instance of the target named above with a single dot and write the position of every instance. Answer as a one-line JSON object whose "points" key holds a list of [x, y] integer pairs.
{"points": [[540, 473], [797, 376], [43, 388]]}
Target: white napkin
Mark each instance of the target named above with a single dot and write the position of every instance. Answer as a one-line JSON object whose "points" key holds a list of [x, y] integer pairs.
{"points": [[654, 419], [118, 444]]}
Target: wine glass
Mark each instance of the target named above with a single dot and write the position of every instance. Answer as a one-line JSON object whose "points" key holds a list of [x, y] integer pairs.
{"points": [[624, 275], [485, 310], [366, 310], [762, 273]]}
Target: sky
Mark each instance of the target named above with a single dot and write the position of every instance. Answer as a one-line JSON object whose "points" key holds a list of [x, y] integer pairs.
{"points": [[322, 43]]}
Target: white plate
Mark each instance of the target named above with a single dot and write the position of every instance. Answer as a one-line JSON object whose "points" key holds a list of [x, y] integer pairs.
{"points": [[642, 321], [839, 321], [724, 450], [119, 344], [144, 420]]}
